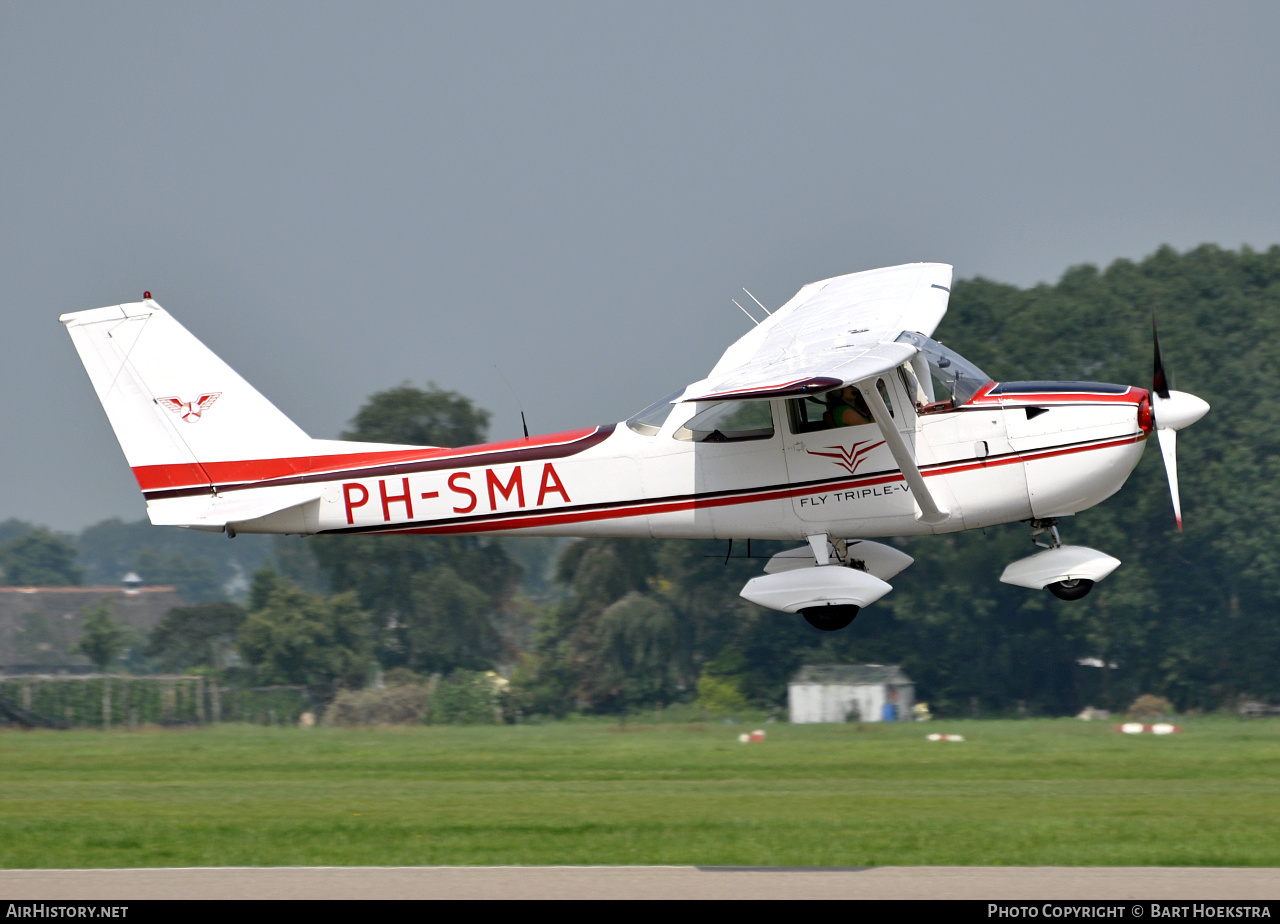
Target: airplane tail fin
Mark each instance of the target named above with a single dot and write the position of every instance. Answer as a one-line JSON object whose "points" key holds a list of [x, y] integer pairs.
{"points": [[174, 405]]}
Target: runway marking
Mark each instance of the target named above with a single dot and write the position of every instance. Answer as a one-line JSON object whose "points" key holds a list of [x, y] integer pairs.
{"points": [[629, 882]]}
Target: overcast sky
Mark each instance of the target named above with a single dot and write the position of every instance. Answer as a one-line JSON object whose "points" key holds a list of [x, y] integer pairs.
{"points": [[340, 197]]}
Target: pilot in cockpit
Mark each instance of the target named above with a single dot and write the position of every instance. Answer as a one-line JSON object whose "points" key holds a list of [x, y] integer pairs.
{"points": [[846, 408]]}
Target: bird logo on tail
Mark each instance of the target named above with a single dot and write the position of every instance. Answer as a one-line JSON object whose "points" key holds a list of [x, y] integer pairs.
{"points": [[191, 411]]}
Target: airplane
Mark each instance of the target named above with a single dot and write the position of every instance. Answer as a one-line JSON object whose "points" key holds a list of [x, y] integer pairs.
{"points": [[835, 421]]}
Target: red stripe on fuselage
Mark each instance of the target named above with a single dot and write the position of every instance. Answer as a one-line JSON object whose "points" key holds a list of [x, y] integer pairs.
{"points": [[647, 507], [251, 472]]}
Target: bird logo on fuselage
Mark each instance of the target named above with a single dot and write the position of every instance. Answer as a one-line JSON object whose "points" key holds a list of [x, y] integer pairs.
{"points": [[848, 459]]}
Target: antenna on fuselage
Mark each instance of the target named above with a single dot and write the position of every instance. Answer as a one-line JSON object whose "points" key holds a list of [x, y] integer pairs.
{"points": [[523, 422], [746, 312], [758, 302]]}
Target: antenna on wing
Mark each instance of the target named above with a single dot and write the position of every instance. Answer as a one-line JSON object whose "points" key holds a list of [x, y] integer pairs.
{"points": [[746, 312], [758, 302], [523, 422]]}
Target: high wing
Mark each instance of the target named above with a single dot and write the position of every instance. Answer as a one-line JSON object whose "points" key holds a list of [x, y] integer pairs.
{"points": [[831, 333]]}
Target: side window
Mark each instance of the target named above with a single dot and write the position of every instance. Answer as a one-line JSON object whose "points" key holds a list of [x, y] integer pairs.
{"points": [[729, 422], [884, 395], [807, 415], [844, 407]]}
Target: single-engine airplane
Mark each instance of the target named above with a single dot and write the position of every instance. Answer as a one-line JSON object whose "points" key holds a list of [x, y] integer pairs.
{"points": [[834, 421]]}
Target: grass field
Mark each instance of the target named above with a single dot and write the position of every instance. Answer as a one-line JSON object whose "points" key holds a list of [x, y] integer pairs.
{"points": [[1016, 792]]}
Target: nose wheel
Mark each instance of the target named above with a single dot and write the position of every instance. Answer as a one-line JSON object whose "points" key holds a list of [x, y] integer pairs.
{"points": [[1066, 571], [830, 618], [1044, 533]]}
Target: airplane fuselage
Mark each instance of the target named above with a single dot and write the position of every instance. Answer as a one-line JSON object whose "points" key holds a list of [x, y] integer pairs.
{"points": [[1014, 451]]}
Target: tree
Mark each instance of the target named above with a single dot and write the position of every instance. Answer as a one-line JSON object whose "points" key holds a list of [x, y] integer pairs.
{"points": [[40, 558], [433, 596], [617, 640], [193, 578], [291, 636], [419, 417], [640, 652], [195, 636], [198, 563], [13, 528], [447, 625], [103, 639]]}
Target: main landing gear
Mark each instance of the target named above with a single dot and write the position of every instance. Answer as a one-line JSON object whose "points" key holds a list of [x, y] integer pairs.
{"points": [[827, 581], [1073, 589], [1066, 571], [830, 618]]}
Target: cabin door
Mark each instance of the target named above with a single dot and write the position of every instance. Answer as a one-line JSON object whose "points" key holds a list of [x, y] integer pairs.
{"points": [[845, 471]]}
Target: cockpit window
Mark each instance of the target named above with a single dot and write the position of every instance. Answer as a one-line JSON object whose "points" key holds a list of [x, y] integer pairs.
{"points": [[649, 421], [952, 376], [728, 422]]}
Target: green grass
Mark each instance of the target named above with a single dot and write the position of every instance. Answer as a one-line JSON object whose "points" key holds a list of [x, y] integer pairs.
{"points": [[1016, 792]]}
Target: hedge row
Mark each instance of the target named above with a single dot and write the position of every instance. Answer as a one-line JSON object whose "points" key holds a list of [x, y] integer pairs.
{"points": [[95, 702]]}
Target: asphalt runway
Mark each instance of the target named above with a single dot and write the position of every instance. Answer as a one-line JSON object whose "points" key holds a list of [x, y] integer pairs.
{"points": [[631, 882]]}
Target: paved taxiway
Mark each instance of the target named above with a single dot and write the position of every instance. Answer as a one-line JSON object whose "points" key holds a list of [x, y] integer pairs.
{"points": [[1027, 882]]}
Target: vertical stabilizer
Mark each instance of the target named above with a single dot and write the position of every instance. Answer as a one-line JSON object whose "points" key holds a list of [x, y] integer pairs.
{"points": [[173, 404]]}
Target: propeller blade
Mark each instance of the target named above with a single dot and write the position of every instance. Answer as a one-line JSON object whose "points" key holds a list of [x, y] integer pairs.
{"points": [[1169, 449], [1160, 381]]}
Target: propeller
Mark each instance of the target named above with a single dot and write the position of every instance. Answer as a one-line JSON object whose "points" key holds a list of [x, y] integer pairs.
{"points": [[1172, 411]]}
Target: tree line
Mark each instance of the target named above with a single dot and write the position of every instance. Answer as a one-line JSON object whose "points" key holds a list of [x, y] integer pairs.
{"points": [[625, 624]]}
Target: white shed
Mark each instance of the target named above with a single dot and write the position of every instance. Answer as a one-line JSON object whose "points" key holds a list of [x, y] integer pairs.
{"points": [[844, 692]]}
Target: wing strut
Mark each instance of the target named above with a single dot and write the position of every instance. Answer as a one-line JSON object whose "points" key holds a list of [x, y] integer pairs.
{"points": [[930, 511]]}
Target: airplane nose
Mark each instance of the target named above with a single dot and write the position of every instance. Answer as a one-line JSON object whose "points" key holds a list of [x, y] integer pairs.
{"points": [[1178, 410], [1172, 410]]}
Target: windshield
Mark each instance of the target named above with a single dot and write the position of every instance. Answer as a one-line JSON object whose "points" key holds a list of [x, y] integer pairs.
{"points": [[649, 421], [951, 376]]}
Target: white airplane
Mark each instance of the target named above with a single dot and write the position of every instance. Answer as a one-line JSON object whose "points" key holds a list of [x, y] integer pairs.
{"points": [[773, 444]]}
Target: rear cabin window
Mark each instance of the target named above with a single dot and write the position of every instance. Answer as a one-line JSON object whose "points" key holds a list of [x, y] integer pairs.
{"points": [[729, 422], [649, 421]]}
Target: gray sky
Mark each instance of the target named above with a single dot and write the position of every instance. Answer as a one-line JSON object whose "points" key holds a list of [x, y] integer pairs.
{"points": [[340, 197]]}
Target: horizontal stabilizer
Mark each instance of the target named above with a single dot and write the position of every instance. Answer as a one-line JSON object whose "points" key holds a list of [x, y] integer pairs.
{"points": [[239, 510]]}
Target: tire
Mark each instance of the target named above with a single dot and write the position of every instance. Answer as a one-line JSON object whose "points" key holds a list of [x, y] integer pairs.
{"points": [[1070, 590], [830, 618]]}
